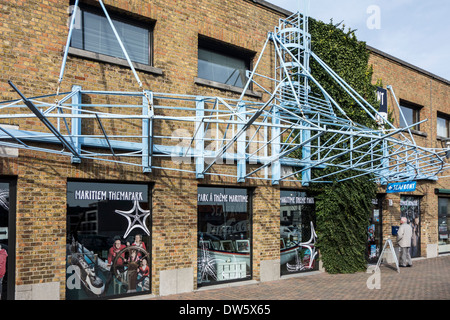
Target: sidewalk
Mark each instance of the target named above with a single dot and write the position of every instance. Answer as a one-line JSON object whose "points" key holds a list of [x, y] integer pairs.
{"points": [[428, 279]]}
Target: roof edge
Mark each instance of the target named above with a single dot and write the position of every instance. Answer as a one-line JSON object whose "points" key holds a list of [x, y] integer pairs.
{"points": [[407, 64]]}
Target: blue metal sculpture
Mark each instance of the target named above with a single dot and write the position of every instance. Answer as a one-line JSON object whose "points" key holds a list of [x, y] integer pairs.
{"points": [[285, 134]]}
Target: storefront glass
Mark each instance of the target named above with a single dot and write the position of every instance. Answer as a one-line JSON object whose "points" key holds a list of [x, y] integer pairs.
{"points": [[374, 232], [224, 235], [297, 235], [410, 208], [108, 239], [443, 225]]}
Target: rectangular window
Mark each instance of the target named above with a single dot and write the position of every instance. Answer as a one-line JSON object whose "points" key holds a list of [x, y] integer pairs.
{"points": [[93, 33], [443, 225], [411, 114], [443, 126], [224, 235], [297, 235], [222, 63], [375, 232], [108, 239]]}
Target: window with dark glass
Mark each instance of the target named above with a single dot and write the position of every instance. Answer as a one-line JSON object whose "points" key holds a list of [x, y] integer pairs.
{"points": [[108, 240], [93, 33], [443, 224], [297, 235], [374, 230], [222, 63], [411, 114], [224, 235], [443, 126]]}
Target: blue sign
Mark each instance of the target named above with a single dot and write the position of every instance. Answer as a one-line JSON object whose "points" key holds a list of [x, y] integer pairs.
{"points": [[401, 187]]}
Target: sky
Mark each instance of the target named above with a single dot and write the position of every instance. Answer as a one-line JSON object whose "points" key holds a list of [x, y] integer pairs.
{"points": [[415, 31]]}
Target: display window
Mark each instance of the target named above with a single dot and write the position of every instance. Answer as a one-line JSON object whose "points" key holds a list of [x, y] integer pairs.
{"points": [[297, 235], [108, 239], [374, 231], [224, 235], [443, 225], [410, 208]]}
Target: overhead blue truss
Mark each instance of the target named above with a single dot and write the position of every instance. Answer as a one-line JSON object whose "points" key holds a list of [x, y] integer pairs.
{"points": [[299, 129]]}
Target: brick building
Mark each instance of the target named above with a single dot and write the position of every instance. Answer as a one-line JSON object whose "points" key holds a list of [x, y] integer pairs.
{"points": [[61, 219]]}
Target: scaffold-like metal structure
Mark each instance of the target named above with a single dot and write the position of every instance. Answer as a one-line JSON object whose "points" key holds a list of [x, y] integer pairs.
{"points": [[299, 128]]}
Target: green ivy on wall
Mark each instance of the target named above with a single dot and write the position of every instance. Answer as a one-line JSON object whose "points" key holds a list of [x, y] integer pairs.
{"points": [[343, 208]]}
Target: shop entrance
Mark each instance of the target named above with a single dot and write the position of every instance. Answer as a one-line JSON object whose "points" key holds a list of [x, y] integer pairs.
{"points": [[375, 234], [410, 208], [7, 238]]}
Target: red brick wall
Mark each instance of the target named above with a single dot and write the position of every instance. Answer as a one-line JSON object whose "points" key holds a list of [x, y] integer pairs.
{"points": [[33, 35], [433, 94]]}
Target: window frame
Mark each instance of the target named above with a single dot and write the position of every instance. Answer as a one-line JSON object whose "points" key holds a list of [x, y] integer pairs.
{"points": [[230, 50], [446, 118], [124, 17], [212, 189], [416, 108]]}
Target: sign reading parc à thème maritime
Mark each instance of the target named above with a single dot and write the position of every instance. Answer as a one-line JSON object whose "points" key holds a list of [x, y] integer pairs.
{"points": [[406, 186]]}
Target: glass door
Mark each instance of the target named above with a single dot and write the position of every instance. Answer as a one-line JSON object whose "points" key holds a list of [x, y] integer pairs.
{"points": [[443, 224]]}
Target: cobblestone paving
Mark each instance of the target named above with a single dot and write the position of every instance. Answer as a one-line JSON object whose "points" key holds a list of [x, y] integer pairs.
{"points": [[428, 279]]}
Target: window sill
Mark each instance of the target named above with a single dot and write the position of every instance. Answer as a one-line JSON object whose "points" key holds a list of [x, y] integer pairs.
{"points": [[419, 133], [218, 85], [443, 139], [113, 60]]}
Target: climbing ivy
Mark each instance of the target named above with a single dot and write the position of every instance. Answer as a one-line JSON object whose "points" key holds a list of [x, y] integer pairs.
{"points": [[343, 208]]}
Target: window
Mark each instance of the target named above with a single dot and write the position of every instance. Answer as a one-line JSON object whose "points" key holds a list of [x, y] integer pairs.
{"points": [[222, 63], [224, 235], [297, 236], [108, 239], [7, 238], [94, 33], [443, 126], [411, 114]]}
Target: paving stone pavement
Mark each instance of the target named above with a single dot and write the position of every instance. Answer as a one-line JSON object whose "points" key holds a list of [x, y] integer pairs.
{"points": [[428, 279]]}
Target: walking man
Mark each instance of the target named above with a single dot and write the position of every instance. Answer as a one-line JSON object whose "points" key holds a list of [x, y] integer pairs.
{"points": [[404, 237]]}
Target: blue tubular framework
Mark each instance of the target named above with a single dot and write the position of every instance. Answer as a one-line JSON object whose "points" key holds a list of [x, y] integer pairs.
{"points": [[296, 128]]}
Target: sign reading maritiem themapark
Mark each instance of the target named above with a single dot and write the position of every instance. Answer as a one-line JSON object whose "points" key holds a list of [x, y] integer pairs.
{"points": [[406, 186]]}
